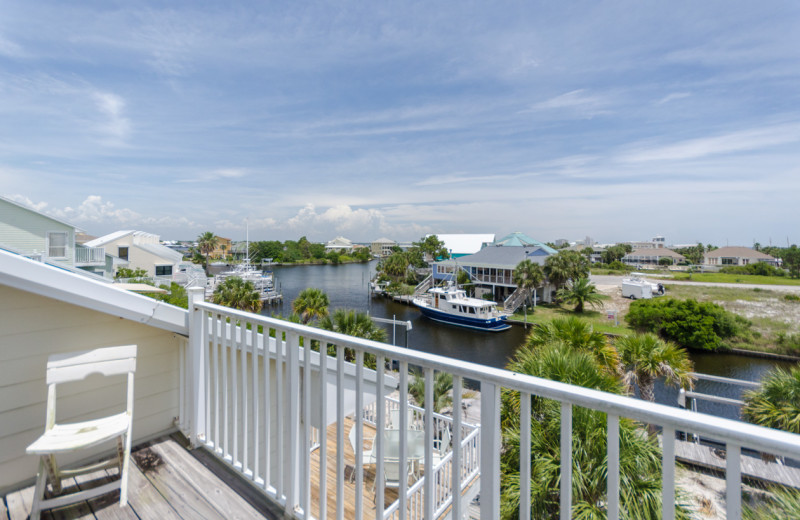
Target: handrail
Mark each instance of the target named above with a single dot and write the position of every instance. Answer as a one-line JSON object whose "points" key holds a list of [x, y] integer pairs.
{"points": [[229, 331]]}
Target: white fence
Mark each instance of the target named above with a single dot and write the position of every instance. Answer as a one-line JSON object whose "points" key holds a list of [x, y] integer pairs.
{"points": [[90, 255], [249, 382]]}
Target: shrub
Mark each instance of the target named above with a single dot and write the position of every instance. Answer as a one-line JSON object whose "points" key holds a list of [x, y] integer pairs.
{"points": [[756, 268], [689, 323], [791, 297]]}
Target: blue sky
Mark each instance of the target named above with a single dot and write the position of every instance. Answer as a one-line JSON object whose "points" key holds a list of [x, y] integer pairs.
{"points": [[616, 120]]}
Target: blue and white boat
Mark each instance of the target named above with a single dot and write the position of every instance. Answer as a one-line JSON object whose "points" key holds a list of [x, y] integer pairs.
{"points": [[451, 305]]}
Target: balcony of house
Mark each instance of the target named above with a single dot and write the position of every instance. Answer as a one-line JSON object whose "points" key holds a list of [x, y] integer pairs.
{"points": [[89, 256], [336, 436]]}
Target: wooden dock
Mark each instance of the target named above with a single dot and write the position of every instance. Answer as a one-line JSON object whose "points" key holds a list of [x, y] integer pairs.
{"points": [[753, 468]]}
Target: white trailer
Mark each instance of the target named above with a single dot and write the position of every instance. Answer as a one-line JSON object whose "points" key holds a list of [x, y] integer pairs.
{"points": [[637, 288]]}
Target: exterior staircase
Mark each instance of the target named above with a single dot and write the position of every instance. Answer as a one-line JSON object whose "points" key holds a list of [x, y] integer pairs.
{"points": [[423, 286], [515, 300]]}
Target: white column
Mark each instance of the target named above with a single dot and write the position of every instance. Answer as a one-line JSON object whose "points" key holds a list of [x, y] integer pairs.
{"points": [[197, 354]]}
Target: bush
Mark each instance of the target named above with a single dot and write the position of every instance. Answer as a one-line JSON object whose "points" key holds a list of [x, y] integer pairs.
{"points": [[756, 268], [689, 323], [791, 297]]}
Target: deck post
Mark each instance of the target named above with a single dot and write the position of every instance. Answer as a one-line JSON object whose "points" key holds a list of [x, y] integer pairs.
{"points": [[197, 357], [490, 450]]}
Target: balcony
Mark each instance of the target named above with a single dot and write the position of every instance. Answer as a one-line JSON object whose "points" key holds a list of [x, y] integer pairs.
{"points": [[90, 256], [256, 397]]}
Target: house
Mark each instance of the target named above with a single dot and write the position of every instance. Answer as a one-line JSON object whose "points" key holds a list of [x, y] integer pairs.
{"points": [[652, 256], [463, 244], [734, 255], [222, 250], [33, 234], [139, 250], [278, 415], [382, 247], [339, 244], [492, 268]]}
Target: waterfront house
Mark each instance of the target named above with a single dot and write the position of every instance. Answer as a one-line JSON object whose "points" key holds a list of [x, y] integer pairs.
{"points": [[222, 250], [339, 244], [139, 250], [651, 256], [33, 234], [492, 268], [250, 393], [382, 247], [734, 255]]}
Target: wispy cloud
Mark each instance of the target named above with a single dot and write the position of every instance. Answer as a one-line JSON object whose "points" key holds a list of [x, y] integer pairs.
{"points": [[10, 49], [673, 97], [116, 126], [734, 142], [579, 101]]}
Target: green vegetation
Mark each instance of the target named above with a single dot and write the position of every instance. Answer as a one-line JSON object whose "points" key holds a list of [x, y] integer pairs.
{"points": [[784, 502], [640, 456], [645, 358], [564, 266], [238, 294], [133, 275], [689, 323], [528, 276], [776, 404], [303, 251], [735, 278], [442, 386], [578, 335], [176, 295], [580, 292], [311, 304], [756, 268], [598, 320], [207, 243], [399, 268]]}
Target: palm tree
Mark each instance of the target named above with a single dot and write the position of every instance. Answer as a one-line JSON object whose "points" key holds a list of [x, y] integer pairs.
{"points": [[528, 276], [777, 403], [578, 335], [565, 266], [207, 242], [353, 323], [580, 292], [239, 294], [646, 357], [640, 456], [442, 385], [311, 303]]}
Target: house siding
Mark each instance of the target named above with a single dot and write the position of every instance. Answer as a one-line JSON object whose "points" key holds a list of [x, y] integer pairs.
{"points": [[32, 328], [26, 231]]}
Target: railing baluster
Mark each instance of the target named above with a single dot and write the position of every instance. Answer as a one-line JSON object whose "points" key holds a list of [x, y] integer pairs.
{"points": [[359, 466], [613, 467], [280, 413], [265, 342], [323, 431], [340, 432], [733, 481], [456, 438], [430, 491], [294, 444], [403, 472], [490, 450], [566, 460], [236, 379], [253, 338], [217, 364], [525, 456], [305, 488], [225, 347], [668, 473], [210, 361], [380, 427]]}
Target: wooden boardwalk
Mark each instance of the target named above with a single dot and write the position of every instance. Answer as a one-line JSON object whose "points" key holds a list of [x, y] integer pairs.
{"points": [[166, 482], [752, 467]]}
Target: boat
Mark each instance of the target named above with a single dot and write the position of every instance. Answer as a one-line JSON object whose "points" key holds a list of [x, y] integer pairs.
{"points": [[451, 305]]}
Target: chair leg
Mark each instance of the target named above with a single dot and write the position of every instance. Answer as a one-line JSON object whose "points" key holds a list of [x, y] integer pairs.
{"points": [[41, 484], [126, 460], [52, 472]]}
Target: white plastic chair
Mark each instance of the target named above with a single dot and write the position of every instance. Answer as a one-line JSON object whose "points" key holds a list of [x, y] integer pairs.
{"points": [[65, 438], [367, 456]]}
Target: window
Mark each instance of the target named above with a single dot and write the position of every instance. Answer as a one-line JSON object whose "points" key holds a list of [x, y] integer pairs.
{"points": [[728, 261], [163, 270], [57, 244], [122, 252]]}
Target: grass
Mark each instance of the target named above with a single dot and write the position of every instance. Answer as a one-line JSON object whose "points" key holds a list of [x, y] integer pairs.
{"points": [[735, 278], [718, 294], [598, 320]]}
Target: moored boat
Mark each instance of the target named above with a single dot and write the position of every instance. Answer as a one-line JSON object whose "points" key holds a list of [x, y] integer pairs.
{"points": [[451, 305]]}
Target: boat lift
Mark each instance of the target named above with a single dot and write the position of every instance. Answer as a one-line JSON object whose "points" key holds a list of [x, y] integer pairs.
{"points": [[395, 322]]}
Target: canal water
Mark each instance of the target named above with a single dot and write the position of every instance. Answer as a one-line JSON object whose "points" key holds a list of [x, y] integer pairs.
{"points": [[347, 287]]}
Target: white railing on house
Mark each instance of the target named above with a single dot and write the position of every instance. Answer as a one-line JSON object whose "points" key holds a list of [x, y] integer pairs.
{"points": [[249, 382], [90, 255]]}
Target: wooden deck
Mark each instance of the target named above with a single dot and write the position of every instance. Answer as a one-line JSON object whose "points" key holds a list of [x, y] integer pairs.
{"points": [[166, 482]]}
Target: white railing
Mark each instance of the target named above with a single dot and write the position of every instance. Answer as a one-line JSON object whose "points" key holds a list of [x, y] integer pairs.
{"points": [[441, 473], [249, 400], [90, 255]]}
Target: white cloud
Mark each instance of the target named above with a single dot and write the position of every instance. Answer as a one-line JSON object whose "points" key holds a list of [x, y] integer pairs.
{"points": [[340, 218], [734, 142], [94, 210], [25, 201], [112, 106], [672, 97], [10, 49], [577, 100]]}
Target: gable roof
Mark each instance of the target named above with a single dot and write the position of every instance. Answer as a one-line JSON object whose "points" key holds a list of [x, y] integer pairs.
{"points": [[27, 208], [738, 252], [161, 251], [116, 235], [51, 282], [521, 239]]}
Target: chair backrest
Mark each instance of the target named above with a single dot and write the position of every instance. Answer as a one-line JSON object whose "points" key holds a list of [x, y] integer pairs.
{"points": [[76, 366]]}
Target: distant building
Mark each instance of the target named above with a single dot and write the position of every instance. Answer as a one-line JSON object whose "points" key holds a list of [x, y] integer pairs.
{"points": [[139, 250], [656, 242], [734, 255], [651, 256], [223, 248], [382, 247], [339, 244], [37, 236]]}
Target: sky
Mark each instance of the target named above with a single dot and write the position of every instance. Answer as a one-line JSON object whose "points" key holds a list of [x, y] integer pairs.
{"points": [[617, 120]]}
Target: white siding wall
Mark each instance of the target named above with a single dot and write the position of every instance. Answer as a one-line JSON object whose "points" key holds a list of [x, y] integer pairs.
{"points": [[32, 328], [26, 231]]}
